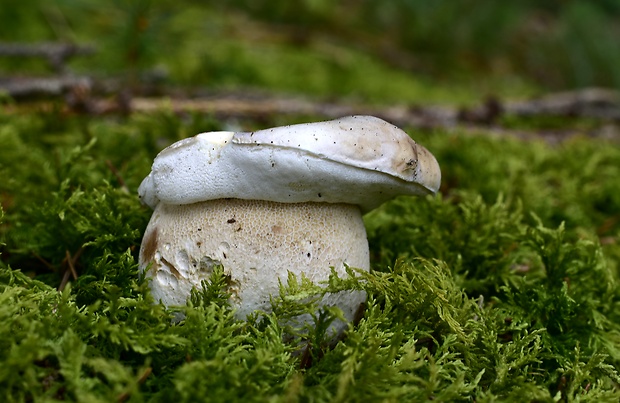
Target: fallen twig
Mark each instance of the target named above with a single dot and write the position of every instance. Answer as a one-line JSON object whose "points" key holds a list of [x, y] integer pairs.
{"points": [[477, 120], [117, 175], [56, 54], [69, 263], [32, 87]]}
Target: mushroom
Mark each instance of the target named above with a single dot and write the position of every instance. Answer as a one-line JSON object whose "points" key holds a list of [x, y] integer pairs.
{"points": [[264, 203]]}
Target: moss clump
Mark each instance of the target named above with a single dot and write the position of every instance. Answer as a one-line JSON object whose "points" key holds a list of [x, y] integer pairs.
{"points": [[480, 294]]}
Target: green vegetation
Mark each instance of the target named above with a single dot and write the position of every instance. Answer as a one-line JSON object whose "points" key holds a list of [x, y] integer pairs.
{"points": [[502, 288], [375, 50]]}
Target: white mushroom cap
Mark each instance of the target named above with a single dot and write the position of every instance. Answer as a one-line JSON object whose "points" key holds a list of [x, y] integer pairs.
{"points": [[359, 160]]}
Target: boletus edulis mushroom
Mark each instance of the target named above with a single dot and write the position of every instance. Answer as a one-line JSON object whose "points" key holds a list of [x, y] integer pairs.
{"points": [[267, 202]]}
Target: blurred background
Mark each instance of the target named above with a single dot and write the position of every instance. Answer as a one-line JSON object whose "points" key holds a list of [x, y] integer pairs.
{"points": [[371, 51]]}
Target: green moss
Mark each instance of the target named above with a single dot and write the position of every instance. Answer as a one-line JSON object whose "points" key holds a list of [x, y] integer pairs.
{"points": [[228, 46], [502, 288]]}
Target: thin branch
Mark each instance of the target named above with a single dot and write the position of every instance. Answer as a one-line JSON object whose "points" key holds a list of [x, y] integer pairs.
{"points": [[145, 374], [45, 262], [69, 261], [64, 281], [69, 264], [118, 176]]}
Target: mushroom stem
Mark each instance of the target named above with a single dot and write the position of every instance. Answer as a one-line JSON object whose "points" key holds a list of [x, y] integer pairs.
{"points": [[257, 243]]}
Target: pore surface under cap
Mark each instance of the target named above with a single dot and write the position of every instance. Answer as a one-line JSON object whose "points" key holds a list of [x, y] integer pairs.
{"points": [[358, 160]]}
